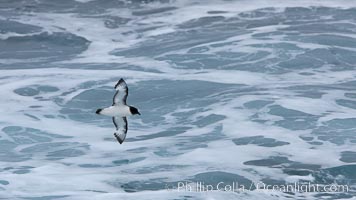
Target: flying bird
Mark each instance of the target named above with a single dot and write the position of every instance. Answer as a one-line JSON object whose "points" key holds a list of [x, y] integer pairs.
{"points": [[119, 110]]}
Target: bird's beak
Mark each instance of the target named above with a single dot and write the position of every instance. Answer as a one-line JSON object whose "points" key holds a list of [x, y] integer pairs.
{"points": [[139, 113]]}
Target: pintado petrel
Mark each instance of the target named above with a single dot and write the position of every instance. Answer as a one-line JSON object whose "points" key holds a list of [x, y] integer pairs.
{"points": [[119, 110]]}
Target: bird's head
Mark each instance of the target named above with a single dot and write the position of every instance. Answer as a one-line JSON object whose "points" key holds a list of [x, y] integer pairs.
{"points": [[134, 111]]}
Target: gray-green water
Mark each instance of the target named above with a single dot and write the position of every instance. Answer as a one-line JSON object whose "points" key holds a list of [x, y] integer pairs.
{"points": [[242, 92]]}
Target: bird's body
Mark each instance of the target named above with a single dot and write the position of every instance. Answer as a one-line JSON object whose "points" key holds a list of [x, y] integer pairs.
{"points": [[116, 111], [119, 110]]}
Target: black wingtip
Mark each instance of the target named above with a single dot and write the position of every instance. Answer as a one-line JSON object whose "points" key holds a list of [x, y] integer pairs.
{"points": [[118, 138], [119, 82], [98, 111]]}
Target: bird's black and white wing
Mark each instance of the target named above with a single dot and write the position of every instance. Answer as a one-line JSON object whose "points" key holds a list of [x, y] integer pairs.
{"points": [[121, 93], [121, 128]]}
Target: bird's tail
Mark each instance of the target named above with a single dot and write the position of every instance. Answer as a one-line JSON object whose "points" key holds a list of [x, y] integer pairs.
{"points": [[98, 111]]}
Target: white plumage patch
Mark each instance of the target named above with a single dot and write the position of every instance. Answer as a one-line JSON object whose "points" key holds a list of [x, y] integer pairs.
{"points": [[116, 111]]}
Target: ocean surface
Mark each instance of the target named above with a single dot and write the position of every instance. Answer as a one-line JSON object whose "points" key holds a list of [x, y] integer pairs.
{"points": [[240, 92]]}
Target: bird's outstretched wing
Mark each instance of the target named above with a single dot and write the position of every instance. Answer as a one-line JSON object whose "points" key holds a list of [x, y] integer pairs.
{"points": [[121, 128], [121, 93]]}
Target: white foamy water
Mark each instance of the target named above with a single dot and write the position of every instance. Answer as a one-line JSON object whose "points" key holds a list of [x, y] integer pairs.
{"points": [[240, 92]]}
